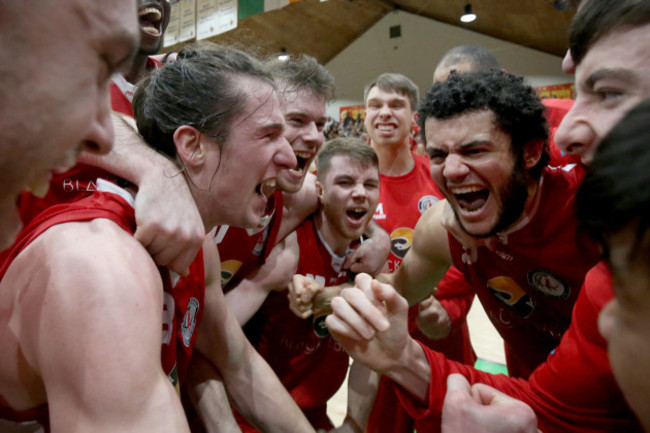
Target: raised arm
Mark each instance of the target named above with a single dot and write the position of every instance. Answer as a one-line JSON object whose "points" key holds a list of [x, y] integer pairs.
{"points": [[427, 260], [248, 296], [169, 225], [90, 322], [251, 384]]}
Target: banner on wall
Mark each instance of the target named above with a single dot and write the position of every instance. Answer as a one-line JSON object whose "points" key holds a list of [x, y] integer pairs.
{"points": [[562, 91], [199, 19], [352, 113]]}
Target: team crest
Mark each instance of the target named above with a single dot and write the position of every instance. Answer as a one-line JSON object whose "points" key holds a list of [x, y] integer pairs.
{"points": [[548, 284], [510, 293], [400, 241], [320, 327], [426, 202], [189, 321]]}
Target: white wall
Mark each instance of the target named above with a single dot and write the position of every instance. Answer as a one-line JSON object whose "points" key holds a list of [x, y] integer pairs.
{"points": [[416, 53]]}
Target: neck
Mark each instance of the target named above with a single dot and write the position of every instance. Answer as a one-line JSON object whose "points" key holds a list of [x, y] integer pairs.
{"points": [[336, 242], [138, 70], [394, 160]]}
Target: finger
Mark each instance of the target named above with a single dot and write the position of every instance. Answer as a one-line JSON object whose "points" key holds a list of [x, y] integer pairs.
{"points": [[354, 309], [346, 322], [394, 305], [487, 395], [458, 382], [425, 304], [368, 307], [181, 263]]}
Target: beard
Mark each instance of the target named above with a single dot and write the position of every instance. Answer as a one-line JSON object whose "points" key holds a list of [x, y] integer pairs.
{"points": [[513, 196]]}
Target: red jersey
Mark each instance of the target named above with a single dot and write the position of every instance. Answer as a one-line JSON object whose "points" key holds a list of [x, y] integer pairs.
{"points": [[308, 361], [402, 200], [183, 297], [573, 391], [529, 284], [242, 250]]}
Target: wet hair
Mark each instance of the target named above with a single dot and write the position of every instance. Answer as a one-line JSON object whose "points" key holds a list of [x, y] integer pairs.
{"points": [[353, 148], [516, 107], [597, 18], [397, 83], [480, 59], [615, 191], [200, 89], [302, 72]]}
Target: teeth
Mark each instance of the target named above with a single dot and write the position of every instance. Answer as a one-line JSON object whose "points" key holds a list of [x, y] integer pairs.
{"points": [[156, 15], [358, 209], [296, 170], [465, 189], [302, 154], [270, 183], [385, 127]]}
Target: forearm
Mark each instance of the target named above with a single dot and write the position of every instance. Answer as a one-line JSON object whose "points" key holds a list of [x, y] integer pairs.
{"points": [[244, 300], [208, 395], [412, 371], [261, 398], [131, 158], [323, 299], [362, 389]]}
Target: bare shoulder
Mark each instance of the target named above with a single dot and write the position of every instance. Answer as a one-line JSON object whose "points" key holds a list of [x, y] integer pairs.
{"points": [[79, 273]]}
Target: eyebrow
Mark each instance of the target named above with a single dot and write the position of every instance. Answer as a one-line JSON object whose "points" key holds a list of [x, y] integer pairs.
{"points": [[271, 127], [600, 74]]}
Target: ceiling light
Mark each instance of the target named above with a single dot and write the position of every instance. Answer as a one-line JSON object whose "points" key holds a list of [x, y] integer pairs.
{"points": [[468, 16], [283, 55]]}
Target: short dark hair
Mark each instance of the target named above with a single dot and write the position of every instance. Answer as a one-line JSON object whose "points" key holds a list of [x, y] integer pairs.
{"points": [[397, 83], [597, 18], [480, 58], [198, 89], [616, 189], [516, 107], [302, 72], [349, 147]]}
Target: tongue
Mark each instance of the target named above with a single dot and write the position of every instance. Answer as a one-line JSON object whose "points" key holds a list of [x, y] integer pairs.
{"points": [[472, 201]]}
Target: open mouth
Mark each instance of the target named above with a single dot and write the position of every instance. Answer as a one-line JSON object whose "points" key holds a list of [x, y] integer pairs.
{"points": [[471, 199], [266, 188], [356, 214], [303, 159], [150, 20]]}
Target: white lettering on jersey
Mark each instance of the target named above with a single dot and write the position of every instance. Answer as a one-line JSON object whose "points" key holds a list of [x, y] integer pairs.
{"points": [[167, 318]]}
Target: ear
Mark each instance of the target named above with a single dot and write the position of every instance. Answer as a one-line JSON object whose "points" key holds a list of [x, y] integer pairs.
{"points": [[190, 145], [532, 153], [415, 118], [319, 192]]}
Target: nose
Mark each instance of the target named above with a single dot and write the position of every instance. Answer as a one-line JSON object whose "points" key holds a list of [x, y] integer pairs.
{"points": [[99, 137], [575, 136], [568, 65], [312, 135], [384, 110], [359, 191], [454, 168], [284, 157]]}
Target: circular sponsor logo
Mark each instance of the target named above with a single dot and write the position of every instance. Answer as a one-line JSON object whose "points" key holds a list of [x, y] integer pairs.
{"points": [[320, 327], [426, 202], [189, 321], [548, 284], [400, 241]]}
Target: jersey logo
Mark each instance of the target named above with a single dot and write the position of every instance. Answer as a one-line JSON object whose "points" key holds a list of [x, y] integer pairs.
{"points": [[548, 284], [189, 321], [426, 202], [379, 212], [510, 293], [320, 327], [228, 270], [400, 241]]}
